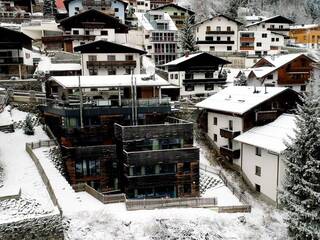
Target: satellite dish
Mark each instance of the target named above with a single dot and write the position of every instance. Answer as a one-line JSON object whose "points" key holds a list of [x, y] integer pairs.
{"points": [[150, 70]]}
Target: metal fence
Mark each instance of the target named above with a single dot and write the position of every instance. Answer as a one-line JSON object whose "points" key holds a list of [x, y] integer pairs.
{"points": [[170, 202]]}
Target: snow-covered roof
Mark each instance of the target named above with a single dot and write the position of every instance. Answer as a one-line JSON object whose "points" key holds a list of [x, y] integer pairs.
{"points": [[182, 59], [47, 66], [304, 26], [108, 81], [147, 25], [276, 18], [272, 136], [239, 99]]}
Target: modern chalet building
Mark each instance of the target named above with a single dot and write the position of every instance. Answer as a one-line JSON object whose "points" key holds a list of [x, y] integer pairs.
{"points": [[87, 27], [107, 58], [217, 34], [159, 36], [16, 57], [288, 70], [118, 139], [114, 8], [236, 109], [262, 161], [177, 13], [265, 37], [199, 74]]}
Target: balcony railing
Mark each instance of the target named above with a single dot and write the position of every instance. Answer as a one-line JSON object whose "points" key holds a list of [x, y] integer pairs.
{"points": [[232, 154], [163, 39], [279, 29], [215, 42], [220, 32], [11, 60], [48, 39], [246, 47], [79, 37], [93, 3], [247, 39], [166, 156], [267, 115], [227, 133], [111, 63], [274, 47]]}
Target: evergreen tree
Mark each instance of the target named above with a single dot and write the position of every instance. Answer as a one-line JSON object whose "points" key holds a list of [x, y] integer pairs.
{"points": [[49, 8], [242, 80], [28, 126], [187, 38], [301, 194]]}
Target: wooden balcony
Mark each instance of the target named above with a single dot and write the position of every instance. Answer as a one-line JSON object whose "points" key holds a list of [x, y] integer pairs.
{"points": [[230, 153], [92, 3], [101, 64], [48, 39], [227, 133], [220, 32], [214, 42], [10, 60], [246, 47], [279, 29], [267, 115], [274, 48], [299, 70], [79, 37], [247, 39]]}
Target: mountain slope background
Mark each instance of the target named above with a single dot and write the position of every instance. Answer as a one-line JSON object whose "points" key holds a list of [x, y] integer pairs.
{"points": [[300, 11]]}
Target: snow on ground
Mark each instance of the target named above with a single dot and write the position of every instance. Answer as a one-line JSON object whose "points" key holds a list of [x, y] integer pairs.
{"points": [[224, 196], [21, 172]]}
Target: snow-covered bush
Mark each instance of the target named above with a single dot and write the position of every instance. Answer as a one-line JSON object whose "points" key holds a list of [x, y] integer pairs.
{"points": [[28, 126]]}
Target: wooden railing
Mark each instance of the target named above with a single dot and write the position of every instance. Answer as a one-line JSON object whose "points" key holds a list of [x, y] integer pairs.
{"points": [[246, 39], [246, 47]]}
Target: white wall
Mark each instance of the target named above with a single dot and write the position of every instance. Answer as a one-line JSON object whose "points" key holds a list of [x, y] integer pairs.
{"points": [[223, 122], [269, 168]]}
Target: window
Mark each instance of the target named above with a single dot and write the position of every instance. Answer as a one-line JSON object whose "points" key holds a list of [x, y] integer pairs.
{"points": [[208, 86], [111, 57], [281, 26], [228, 38], [93, 71], [208, 28], [212, 48], [92, 58], [186, 167], [263, 26], [277, 39], [208, 75], [88, 168], [218, 38], [104, 33], [87, 32], [272, 39], [259, 44], [116, 9], [75, 32], [228, 28], [215, 121], [189, 88], [176, 76], [111, 72], [182, 14], [264, 35], [209, 38], [258, 151], [229, 48], [187, 188], [215, 137], [258, 171], [82, 43], [129, 57], [270, 76], [303, 88], [230, 125], [128, 71], [175, 14], [258, 188], [271, 26], [218, 28]]}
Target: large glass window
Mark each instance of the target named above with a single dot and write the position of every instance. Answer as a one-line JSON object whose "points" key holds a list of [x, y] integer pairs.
{"points": [[88, 168]]}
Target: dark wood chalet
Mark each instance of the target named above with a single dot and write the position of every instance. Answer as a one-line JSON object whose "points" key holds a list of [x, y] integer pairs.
{"points": [[85, 27], [15, 54]]}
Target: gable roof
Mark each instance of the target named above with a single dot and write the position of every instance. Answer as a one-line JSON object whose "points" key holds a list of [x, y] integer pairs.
{"points": [[271, 136], [92, 15], [11, 39], [240, 99], [220, 15], [102, 46], [273, 63], [274, 19], [202, 55], [174, 6]]}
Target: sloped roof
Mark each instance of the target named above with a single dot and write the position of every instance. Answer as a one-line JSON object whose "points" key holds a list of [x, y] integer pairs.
{"points": [[272, 136], [93, 15], [196, 55], [220, 15], [102, 46], [274, 19], [142, 80], [144, 21], [239, 99], [174, 6]]}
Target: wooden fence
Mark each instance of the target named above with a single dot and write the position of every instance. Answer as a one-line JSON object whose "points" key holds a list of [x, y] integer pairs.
{"points": [[42, 143], [170, 202], [104, 198]]}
